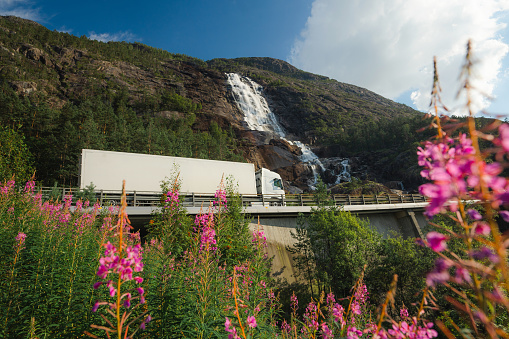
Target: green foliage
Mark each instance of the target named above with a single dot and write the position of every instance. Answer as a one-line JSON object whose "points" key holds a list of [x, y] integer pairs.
{"points": [[46, 283], [109, 124], [332, 247], [171, 225], [234, 238], [335, 246], [15, 158], [192, 289], [406, 259]]}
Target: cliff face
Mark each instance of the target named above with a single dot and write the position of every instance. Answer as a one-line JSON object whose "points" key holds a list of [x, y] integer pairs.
{"points": [[59, 69]]}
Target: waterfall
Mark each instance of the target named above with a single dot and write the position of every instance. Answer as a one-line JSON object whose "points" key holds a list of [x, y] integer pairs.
{"points": [[345, 172], [258, 116]]}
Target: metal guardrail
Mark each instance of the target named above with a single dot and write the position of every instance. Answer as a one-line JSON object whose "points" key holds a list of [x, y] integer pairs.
{"points": [[151, 198]]}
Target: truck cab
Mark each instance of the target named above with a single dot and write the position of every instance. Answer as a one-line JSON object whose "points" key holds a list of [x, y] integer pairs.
{"points": [[268, 182]]}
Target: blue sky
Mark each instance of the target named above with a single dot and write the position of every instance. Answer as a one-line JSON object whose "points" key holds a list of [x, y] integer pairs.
{"points": [[385, 46]]}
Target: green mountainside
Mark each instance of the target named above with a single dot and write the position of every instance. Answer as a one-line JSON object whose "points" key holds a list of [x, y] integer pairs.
{"points": [[64, 93]]}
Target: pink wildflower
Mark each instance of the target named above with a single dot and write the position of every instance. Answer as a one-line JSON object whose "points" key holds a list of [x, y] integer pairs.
{"points": [[337, 312], [353, 333], [112, 263], [503, 140], [474, 214], [482, 228], [326, 332], [29, 186], [220, 195], [8, 187], [251, 321], [440, 273], [20, 240], [436, 241], [462, 275]]}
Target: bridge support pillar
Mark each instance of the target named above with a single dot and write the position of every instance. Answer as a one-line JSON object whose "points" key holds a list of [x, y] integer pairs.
{"points": [[406, 219]]}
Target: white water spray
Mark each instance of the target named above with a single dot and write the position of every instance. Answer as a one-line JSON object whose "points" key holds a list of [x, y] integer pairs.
{"points": [[259, 117], [345, 172]]}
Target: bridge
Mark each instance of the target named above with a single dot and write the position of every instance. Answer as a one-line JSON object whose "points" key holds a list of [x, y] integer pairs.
{"points": [[276, 215], [388, 213]]}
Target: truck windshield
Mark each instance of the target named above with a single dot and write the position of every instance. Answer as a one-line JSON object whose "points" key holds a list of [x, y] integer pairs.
{"points": [[278, 183]]}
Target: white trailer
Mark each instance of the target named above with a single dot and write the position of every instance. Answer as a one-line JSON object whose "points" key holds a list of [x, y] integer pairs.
{"points": [[144, 172]]}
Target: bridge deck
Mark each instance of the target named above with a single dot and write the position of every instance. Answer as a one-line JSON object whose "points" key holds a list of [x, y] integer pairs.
{"points": [[291, 210], [254, 201]]}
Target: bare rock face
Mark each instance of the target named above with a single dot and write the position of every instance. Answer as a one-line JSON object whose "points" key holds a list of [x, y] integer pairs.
{"points": [[24, 87], [36, 54], [276, 157], [296, 175], [286, 145]]}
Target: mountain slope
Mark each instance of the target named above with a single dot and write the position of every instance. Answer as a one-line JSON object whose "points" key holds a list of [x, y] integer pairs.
{"points": [[65, 93]]}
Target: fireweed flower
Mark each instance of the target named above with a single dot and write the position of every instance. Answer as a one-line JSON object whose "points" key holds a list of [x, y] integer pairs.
{"points": [[331, 300], [8, 187], [353, 333], [111, 263], [338, 312], [474, 214], [485, 253], [202, 220], [462, 275], [228, 327], [207, 239], [259, 238], [448, 164], [220, 196], [326, 332], [440, 272], [20, 241], [294, 302], [482, 228], [436, 241], [29, 186], [503, 139], [251, 321], [172, 199], [311, 318]]}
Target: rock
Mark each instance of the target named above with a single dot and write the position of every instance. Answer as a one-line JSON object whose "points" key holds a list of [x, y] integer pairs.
{"points": [[282, 143], [24, 87], [36, 54], [276, 157]]}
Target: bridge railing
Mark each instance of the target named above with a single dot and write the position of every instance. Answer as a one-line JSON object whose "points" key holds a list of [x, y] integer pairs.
{"points": [[151, 198]]}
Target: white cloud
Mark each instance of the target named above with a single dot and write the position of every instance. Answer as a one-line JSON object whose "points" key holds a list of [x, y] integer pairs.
{"points": [[105, 37], [388, 46], [20, 8]]}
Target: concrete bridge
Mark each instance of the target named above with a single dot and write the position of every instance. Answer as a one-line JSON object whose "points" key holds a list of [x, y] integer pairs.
{"points": [[403, 216], [276, 215]]}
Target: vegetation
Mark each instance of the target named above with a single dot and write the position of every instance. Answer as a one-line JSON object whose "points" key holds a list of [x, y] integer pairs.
{"points": [[15, 158], [334, 247], [108, 124], [63, 274]]}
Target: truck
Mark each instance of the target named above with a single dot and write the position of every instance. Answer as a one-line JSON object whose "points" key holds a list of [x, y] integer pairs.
{"points": [[145, 172]]}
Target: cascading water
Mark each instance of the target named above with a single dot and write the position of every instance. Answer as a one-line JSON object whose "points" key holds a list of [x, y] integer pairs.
{"points": [[259, 117], [249, 99], [345, 172]]}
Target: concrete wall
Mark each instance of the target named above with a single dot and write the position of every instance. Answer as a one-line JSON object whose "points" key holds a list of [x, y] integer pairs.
{"points": [[278, 234]]}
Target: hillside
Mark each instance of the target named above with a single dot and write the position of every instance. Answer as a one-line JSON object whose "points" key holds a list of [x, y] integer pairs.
{"points": [[65, 93]]}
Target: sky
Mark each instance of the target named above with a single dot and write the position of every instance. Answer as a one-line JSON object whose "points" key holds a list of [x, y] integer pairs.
{"points": [[385, 46]]}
